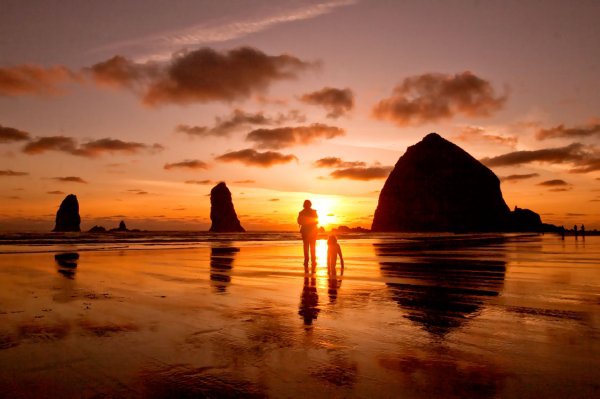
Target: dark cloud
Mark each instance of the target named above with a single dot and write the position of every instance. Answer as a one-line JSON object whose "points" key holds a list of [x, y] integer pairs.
{"points": [[337, 102], [553, 183], [560, 189], [70, 179], [51, 143], [10, 134], [591, 164], [572, 153], [254, 158], [201, 75], [334, 162], [55, 192], [474, 133], [187, 164], [431, 97], [9, 172], [238, 119], [34, 79], [560, 131], [200, 182], [366, 173], [519, 177], [282, 137], [90, 149]]}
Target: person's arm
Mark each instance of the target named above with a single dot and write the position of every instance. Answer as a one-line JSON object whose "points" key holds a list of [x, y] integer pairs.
{"points": [[341, 256]]}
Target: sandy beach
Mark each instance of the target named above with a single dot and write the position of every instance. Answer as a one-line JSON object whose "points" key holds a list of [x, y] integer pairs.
{"points": [[412, 316]]}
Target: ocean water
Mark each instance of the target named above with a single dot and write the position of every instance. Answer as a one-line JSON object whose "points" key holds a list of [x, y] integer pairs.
{"points": [[201, 315]]}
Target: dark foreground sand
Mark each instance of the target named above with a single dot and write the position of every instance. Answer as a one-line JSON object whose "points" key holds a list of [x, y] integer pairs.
{"points": [[491, 317]]}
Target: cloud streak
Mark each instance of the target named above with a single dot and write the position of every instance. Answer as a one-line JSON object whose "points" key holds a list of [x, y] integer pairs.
{"points": [[10, 134], [70, 179], [518, 177], [199, 76], [34, 80], [334, 162], [553, 183], [90, 149], [474, 133], [337, 102], [283, 137], [238, 119], [585, 159], [560, 131], [162, 45], [187, 164], [252, 157], [12, 173], [362, 173], [432, 97]]}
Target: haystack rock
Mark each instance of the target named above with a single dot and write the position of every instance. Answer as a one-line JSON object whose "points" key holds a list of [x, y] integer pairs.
{"points": [[67, 217], [222, 214], [437, 186]]}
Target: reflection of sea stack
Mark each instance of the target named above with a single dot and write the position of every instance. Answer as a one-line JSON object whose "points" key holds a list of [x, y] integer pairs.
{"points": [[437, 186], [67, 217], [222, 213]]}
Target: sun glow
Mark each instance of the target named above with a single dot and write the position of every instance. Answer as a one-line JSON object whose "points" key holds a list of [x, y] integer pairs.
{"points": [[326, 208]]}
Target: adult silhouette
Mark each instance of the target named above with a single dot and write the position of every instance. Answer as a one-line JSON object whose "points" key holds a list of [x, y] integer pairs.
{"points": [[308, 221]]}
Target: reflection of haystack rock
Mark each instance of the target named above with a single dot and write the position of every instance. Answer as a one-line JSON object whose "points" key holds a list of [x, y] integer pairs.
{"points": [[438, 290], [222, 213], [437, 186], [67, 217], [221, 264]]}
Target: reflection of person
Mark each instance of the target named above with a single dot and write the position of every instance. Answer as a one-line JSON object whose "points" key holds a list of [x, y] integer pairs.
{"points": [[309, 301], [333, 250], [308, 220]]}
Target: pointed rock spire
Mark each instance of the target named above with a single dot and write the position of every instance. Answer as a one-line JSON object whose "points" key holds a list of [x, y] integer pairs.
{"points": [[222, 213]]}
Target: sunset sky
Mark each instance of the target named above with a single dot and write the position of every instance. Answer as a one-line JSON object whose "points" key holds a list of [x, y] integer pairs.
{"points": [[141, 107]]}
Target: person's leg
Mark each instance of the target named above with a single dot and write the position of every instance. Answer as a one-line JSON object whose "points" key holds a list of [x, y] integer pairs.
{"points": [[313, 254], [305, 244]]}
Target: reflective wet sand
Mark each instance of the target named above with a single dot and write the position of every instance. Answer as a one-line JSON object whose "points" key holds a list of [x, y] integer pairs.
{"points": [[464, 316]]}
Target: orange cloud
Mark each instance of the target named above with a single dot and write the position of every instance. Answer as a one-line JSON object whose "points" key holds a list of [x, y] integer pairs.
{"points": [[518, 177], [34, 79], [56, 192], [282, 137], [358, 173], [12, 173], [236, 121], [553, 183], [472, 133], [431, 97], [70, 179], [334, 162], [201, 75], [249, 181], [337, 102], [252, 157], [187, 164], [9, 134], [560, 131], [90, 149], [199, 182]]}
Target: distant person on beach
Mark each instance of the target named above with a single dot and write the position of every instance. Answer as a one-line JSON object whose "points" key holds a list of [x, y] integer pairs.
{"points": [[562, 232], [308, 221], [333, 250], [575, 231], [582, 230]]}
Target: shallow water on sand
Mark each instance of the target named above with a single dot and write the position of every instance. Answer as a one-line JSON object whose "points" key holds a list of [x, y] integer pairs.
{"points": [[412, 316]]}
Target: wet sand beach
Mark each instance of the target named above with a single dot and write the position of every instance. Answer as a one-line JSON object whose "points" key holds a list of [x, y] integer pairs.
{"points": [[412, 316]]}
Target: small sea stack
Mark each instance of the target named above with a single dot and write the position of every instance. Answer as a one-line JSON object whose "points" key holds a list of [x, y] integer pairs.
{"points": [[222, 213], [67, 216]]}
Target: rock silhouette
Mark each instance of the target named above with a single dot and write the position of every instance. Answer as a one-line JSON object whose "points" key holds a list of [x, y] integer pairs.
{"points": [[222, 213], [67, 216], [97, 229], [437, 186], [527, 220], [122, 227]]}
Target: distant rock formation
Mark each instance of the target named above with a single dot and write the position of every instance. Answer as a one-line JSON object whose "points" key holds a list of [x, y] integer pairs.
{"points": [[437, 186], [67, 217], [346, 229], [97, 229], [122, 227], [222, 213], [526, 220]]}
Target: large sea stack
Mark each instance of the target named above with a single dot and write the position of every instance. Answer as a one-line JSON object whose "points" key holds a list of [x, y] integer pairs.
{"points": [[437, 186], [67, 217], [222, 214]]}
